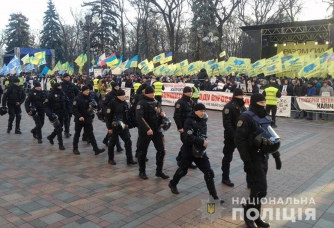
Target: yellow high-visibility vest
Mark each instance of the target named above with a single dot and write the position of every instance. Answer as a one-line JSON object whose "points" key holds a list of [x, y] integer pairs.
{"points": [[271, 98], [7, 81], [21, 81], [136, 86], [158, 88], [196, 92], [96, 83]]}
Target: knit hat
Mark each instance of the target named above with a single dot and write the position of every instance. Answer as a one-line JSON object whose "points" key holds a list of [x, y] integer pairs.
{"points": [[238, 92], [120, 92], [90, 86], [199, 106], [84, 88], [256, 97], [142, 86], [187, 89], [37, 84], [56, 85], [16, 80], [149, 89], [66, 75]]}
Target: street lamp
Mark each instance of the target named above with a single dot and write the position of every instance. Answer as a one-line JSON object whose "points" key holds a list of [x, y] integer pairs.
{"points": [[91, 23], [210, 39]]}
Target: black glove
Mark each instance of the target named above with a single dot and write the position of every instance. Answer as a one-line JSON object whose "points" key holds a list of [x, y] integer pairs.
{"points": [[248, 167], [278, 162]]}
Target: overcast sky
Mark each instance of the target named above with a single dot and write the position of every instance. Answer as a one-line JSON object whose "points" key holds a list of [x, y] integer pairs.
{"points": [[34, 10]]}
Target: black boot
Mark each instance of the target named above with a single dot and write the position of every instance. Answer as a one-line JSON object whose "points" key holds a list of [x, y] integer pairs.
{"points": [[260, 223], [111, 162], [143, 175], [249, 223], [173, 189], [61, 147], [159, 172], [228, 182], [18, 131], [39, 141], [76, 151], [33, 132], [67, 135], [99, 151], [10, 126], [210, 184], [50, 139], [162, 175]]}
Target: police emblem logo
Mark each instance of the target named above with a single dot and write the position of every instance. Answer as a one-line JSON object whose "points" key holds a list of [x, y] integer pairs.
{"points": [[74, 102], [189, 132], [46, 100], [211, 208], [227, 111], [138, 106], [177, 106], [239, 124], [35, 94], [108, 110]]}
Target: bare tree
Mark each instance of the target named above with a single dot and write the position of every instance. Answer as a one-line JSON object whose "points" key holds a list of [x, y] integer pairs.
{"points": [[291, 8], [2, 38], [330, 6], [122, 26]]}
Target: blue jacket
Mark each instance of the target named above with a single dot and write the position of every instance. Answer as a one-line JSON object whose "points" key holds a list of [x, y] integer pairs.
{"points": [[311, 91]]}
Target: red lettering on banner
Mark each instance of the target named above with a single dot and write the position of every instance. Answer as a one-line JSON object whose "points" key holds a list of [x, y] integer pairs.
{"points": [[172, 95], [204, 97]]}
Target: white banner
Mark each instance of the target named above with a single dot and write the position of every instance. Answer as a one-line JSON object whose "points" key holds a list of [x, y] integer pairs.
{"points": [[217, 100], [316, 103]]}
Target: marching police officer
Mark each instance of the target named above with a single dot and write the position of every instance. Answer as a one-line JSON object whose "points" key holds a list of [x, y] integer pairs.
{"points": [[149, 116], [117, 121], [183, 107], [158, 87], [34, 106], [71, 91], [272, 93], [193, 150], [231, 112], [254, 149], [13, 97], [83, 113], [57, 111]]}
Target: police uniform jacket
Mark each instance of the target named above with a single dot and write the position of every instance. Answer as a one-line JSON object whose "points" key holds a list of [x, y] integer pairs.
{"points": [[69, 89], [107, 99], [81, 108], [183, 107], [231, 113], [35, 98], [13, 94], [57, 102], [117, 109], [193, 128], [148, 114]]}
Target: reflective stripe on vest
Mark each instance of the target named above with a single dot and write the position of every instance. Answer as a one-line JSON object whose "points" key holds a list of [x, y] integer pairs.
{"points": [[96, 83], [21, 81], [196, 93], [136, 86], [158, 88], [7, 81], [271, 98]]}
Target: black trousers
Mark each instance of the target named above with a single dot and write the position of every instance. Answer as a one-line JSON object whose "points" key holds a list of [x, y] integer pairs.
{"points": [[159, 98], [273, 109], [39, 122], [228, 150], [14, 111], [203, 164], [182, 138], [159, 143], [126, 137], [88, 129], [58, 130], [67, 122]]}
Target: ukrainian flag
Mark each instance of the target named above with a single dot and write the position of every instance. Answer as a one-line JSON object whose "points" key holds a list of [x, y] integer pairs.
{"points": [[142, 64], [132, 62], [158, 58], [168, 58]]}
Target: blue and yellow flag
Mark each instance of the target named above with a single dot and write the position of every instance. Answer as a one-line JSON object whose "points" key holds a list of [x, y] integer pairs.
{"points": [[158, 58], [148, 68], [168, 58], [133, 62], [142, 64], [311, 69]]}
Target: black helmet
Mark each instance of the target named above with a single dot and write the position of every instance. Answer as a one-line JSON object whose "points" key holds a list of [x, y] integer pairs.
{"points": [[199, 151], [54, 120], [92, 107], [33, 110], [3, 111], [268, 141], [165, 124], [118, 126]]}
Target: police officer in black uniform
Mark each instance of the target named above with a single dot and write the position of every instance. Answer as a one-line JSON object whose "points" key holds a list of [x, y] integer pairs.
{"points": [[250, 125], [231, 112], [71, 92], [117, 122], [56, 107], [195, 131], [149, 116], [34, 106], [83, 113], [183, 107], [13, 97], [107, 99]]}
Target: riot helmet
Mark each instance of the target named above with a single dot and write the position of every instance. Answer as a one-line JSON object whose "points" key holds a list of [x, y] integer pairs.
{"points": [[199, 151], [165, 124], [54, 120], [33, 110], [92, 107], [118, 126], [267, 141]]}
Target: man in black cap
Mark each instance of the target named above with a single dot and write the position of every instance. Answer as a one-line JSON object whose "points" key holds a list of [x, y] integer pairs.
{"points": [[195, 130], [13, 97], [183, 107], [56, 107], [71, 91], [231, 113], [117, 121], [83, 113], [158, 87], [149, 117], [35, 101], [249, 126]]}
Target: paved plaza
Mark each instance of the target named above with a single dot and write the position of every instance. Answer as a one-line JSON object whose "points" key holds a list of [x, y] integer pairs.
{"points": [[41, 186]]}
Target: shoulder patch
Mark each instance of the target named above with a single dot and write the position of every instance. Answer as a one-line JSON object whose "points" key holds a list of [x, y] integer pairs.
{"points": [[138, 106], [108, 110], [46, 100], [74, 102], [239, 124], [189, 132], [227, 111], [177, 106]]}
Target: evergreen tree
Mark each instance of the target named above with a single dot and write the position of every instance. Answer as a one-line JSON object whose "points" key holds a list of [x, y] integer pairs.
{"points": [[50, 35], [107, 31], [17, 31]]}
